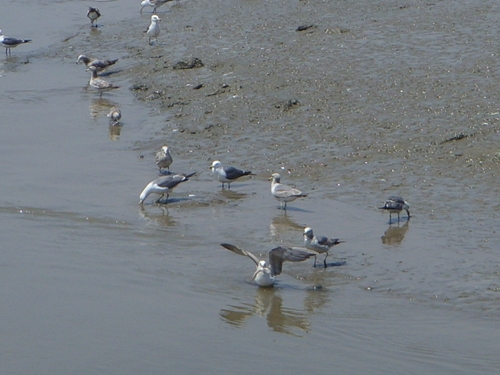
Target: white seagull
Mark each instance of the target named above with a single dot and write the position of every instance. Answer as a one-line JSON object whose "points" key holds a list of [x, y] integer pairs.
{"points": [[99, 64], [319, 244], [154, 28], [284, 193], [93, 14], [163, 158], [395, 204], [114, 116], [9, 42], [153, 3], [163, 185], [227, 174], [98, 83], [265, 273]]}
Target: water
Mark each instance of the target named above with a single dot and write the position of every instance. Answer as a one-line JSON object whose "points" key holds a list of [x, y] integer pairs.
{"points": [[93, 283]]}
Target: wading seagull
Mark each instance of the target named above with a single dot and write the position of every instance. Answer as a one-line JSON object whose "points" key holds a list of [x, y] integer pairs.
{"points": [[395, 204], [93, 14], [114, 116], [98, 83], [226, 175], [284, 193], [266, 272], [163, 185], [153, 3], [319, 244], [163, 158], [9, 42], [154, 28], [99, 64]]}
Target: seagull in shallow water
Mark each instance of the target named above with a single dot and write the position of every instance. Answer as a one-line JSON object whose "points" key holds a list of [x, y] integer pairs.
{"points": [[227, 174], [9, 42], [266, 272], [114, 116], [163, 185], [395, 204], [154, 28], [93, 14], [153, 3], [163, 158], [319, 244], [99, 64], [284, 193], [98, 83]]}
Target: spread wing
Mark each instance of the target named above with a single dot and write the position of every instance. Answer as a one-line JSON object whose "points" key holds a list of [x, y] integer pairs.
{"points": [[239, 251], [280, 254]]}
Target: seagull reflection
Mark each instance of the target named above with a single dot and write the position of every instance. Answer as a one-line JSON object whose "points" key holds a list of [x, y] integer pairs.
{"points": [[162, 218], [232, 195], [281, 224], [395, 235], [99, 107], [115, 131], [268, 304]]}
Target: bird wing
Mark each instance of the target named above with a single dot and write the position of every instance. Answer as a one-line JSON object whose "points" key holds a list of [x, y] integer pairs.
{"points": [[280, 254], [396, 199], [170, 181], [239, 251], [326, 241], [9, 41], [233, 173]]}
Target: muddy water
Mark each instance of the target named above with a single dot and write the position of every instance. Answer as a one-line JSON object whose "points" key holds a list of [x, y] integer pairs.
{"points": [[372, 100]]}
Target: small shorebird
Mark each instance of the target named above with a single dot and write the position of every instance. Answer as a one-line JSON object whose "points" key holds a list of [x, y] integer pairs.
{"points": [[154, 28], [93, 14], [163, 158], [114, 116], [319, 244], [395, 204], [266, 272], [227, 174], [9, 42], [99, 64], [98, 83], [153, 3], [284, 193], [163, 185]]}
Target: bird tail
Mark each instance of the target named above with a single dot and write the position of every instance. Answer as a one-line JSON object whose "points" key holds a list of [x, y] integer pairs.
{"points": [[190, 174]]}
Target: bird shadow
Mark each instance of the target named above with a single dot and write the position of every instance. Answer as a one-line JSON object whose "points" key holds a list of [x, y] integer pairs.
{"points": [[332, 264], [109, 73], [292, 209], [396, 221]]}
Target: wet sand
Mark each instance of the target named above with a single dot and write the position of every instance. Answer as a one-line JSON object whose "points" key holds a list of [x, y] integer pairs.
{"points": [[372, 100]]}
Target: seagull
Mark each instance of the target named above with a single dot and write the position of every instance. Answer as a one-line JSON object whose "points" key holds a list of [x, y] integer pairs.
{"points": [[9, 42], [227, 174], [98, 83], [153, 3], [265, 273], [93, 14], [163, 185], [395, 204], [319, 244], [284, 193], [99, 64], [114, 116], [163, 158], [154, 28]]}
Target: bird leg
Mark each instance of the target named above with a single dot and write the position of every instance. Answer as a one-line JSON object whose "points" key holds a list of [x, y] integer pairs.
{"points": [[324, 261]]}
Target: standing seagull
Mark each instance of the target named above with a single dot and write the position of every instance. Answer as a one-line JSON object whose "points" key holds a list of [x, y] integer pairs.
{"points": [[395, 204], [163, 185], [114, 116], [227, 174], [93, 14], [98, 83], [154, 28], [163, 158], [265, 273], [320, 244], [153, 3], [284, 193], [99, 64], [9, 42]]}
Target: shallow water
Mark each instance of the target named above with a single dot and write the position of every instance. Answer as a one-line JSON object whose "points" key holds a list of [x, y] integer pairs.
{"points": [[370, 102]]}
